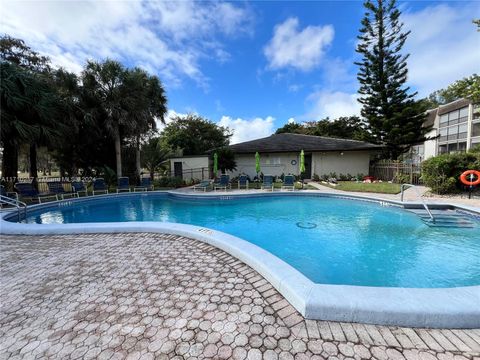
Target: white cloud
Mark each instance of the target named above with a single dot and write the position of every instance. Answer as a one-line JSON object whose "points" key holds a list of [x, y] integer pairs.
{"points": [[245, 130], [168, 38], [291, 120], [302, 49], [444, 45], [333, 104]]}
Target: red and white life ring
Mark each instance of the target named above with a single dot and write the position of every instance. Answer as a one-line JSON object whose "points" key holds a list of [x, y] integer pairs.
{"points": [[468, 174]]}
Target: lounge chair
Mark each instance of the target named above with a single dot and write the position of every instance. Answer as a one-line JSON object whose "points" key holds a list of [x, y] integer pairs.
{"points": [[203, 185], [145, 185], [243, 181], [99, 186], [123, 184], [79, 187], [56, 187], [288, 183], [28, 191], [223, 183], [267, 183]]}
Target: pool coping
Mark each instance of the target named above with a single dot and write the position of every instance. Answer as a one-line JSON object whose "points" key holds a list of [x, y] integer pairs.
{"points": [[415, 307]]}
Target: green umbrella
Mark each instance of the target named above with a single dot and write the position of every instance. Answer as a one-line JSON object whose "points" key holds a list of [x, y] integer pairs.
{"points": [[302, 162], [257, 163], [215, 165]]}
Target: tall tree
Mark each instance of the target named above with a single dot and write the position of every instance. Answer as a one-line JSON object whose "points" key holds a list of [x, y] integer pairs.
{"points": [[147, 103], [104, 81], [468, 88], [14, 51], [195, 135], [29, 108], [351, 127], [394, 118]]}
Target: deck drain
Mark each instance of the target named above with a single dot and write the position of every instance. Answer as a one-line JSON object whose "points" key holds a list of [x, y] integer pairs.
{"points": [[306, 225]]}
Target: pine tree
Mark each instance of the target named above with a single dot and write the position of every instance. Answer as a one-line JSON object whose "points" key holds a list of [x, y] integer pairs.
{"points": [[394, 118]]}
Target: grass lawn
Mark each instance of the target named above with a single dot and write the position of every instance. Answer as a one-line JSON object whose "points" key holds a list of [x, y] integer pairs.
{"points": [[383, 187]]}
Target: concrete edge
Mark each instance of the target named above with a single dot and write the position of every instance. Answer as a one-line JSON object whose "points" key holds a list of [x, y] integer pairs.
{"points": [[415, 307]]}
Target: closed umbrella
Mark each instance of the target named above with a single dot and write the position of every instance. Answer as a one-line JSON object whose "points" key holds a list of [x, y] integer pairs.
{"points": [[215, 165], [302, 162], [257, 163], [302, 165]]}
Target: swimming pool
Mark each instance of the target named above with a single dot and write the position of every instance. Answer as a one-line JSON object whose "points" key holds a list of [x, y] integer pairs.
{"points": [[329, 240]]}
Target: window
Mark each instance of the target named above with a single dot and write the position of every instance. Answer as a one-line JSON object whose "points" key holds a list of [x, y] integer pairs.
{"points": [[452, 147], [453, 115], [443, 134], [463, 114], [442, 149], [444, 120], [476, 112], [462, 131], [476, 129], [462, 146]]}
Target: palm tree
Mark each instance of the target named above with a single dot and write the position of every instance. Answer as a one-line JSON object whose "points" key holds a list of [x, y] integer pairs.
{"points": [[28, 112], [146, 101], [155, 155], [104, 81]]}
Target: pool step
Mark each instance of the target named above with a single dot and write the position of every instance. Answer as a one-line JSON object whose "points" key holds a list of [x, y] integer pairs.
{"points": [[444, 218]]}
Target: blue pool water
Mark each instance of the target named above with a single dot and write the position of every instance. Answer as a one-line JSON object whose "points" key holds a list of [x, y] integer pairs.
{"points": [[330, 240]]}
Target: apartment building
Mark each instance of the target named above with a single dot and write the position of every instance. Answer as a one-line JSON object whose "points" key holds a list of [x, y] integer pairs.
{"points": [[456, 126]]}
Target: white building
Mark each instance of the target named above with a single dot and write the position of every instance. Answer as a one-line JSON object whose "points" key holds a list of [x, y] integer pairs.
{"points": [[456, 126], [280, 154]]}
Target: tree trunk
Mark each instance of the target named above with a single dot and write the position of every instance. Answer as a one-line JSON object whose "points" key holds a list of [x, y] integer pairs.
{"points": [[118, 152], [10, 162], [33, 161], [33, 165], [138, 166]]}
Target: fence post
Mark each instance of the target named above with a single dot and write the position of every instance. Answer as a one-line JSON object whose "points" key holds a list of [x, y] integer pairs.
{"points": [[411, 173]]}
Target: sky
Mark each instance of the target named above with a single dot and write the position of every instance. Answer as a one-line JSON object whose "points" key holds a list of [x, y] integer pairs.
{"points": [[250, 66]]}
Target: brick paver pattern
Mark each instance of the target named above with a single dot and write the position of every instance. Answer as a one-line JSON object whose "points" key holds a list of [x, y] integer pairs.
{"points": [[146, 296]]}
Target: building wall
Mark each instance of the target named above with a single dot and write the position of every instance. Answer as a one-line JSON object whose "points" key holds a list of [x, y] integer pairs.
{"points": [[351, 162], [459, 130], [430, 146], [271, 164], [196, 167]]}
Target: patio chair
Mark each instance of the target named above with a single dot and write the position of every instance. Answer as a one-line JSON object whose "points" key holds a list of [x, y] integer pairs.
{"points": [[11, 194], [243, 182], [145, 185], [223, 183], [56, 187], [123, 184], [99, 186], [28, 191], [289, 183], [79, 187], [267, 183], [203, 185]]}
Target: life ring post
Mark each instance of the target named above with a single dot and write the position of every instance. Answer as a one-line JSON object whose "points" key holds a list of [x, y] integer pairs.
{"points": [[468, 178]]}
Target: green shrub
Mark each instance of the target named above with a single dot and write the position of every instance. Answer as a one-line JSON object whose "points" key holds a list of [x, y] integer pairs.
{"points": [[441, 173], [316, 177], [167, 182]]}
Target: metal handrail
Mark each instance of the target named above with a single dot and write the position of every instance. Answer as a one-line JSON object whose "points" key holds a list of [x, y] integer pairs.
{"points": [[17, 203], [402, 187]]}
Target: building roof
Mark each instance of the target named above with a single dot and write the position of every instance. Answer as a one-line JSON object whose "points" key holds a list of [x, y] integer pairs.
{"points": [[280, 143], [430, 119], [454, 105]]}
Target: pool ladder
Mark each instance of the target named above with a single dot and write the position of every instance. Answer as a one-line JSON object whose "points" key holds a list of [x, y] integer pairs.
{"points": [[402, 188], [19, 205]]}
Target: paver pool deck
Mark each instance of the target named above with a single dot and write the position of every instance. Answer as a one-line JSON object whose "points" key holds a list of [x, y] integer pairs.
{"points": [[146, 296]]}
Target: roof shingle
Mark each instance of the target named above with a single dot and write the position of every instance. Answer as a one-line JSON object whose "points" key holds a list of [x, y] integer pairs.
{"points": [[287, 142]]}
